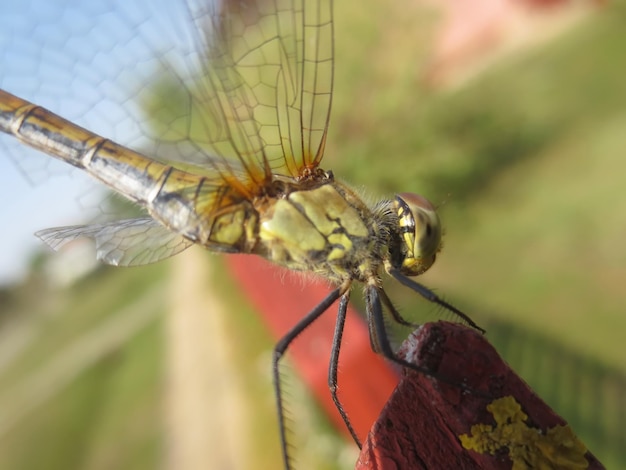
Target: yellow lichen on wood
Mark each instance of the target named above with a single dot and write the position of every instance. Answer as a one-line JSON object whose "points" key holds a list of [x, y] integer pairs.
{"points": [[528, 448]]}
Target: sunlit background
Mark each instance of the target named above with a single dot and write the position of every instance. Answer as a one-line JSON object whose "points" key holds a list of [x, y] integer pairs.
{"points": [[509, 115]]}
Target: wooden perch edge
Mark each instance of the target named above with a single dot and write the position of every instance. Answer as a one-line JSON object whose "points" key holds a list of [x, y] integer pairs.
{"points": [[490, 419]]}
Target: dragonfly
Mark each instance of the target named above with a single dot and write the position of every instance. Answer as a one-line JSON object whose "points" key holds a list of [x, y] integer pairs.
{"points": [[242, 173]]}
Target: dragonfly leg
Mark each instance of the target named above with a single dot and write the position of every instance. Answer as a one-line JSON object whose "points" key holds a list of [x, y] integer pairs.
{"points": [[381, 345], [432, 297], [279, 351], [394, 312], [378, 332], [334, 362]]}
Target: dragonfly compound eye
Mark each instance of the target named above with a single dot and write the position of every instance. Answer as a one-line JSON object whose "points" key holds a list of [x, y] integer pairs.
{"points": [[420, 232]]}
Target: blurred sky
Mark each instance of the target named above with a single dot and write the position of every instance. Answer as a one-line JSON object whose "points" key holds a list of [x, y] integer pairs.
{"points": [[25, 210]]}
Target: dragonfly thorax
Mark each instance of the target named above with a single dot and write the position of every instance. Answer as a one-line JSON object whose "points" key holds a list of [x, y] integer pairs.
{"points": [[419, 230]]}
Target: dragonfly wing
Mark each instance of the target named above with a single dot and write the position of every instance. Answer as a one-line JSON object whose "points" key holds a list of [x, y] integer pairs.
{"points": [[261, 92], [248, 85], [131, 242]]}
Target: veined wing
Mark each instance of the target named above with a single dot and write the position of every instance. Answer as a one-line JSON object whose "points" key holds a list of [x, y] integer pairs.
{"points": [[187, 82], [131, 242], [256, 87], [263, 90]]}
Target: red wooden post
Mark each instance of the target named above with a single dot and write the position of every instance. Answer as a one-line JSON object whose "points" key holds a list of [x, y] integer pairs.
{"points": [[492, 421]]}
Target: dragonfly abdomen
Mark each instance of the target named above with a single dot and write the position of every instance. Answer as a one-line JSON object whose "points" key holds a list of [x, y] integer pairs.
{"points": [[123, 170], [184, 202]]}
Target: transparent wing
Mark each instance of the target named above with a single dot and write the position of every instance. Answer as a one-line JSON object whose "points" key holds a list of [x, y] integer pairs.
{"points": [[184, 81], [131, 242], [190, 82], [267, 80]]}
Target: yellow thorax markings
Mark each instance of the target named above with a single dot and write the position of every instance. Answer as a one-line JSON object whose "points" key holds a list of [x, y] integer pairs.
{"points": [[313, 220]]}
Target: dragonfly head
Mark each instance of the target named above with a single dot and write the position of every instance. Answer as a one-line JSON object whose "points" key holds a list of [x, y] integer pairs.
{"points": [[420, 233]]}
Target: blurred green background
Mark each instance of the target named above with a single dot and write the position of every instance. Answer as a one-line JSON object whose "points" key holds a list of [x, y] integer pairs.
{"points": [[525, 159]]}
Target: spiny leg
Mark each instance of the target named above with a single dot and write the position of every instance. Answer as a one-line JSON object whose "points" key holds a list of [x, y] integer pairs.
{"points": [[394, 312], [280, 349], [334, 362], [432, 297], [380, 340], [378, 332]]}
